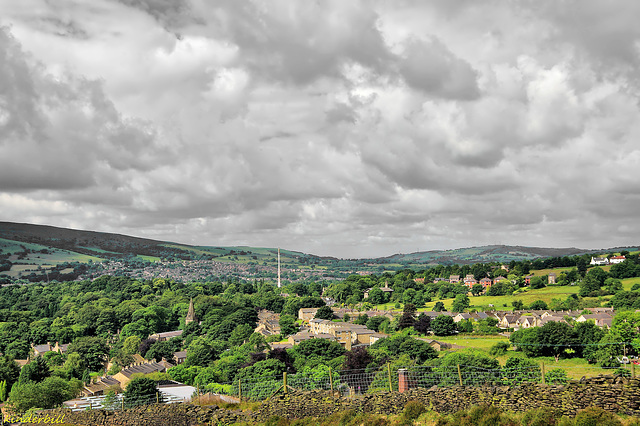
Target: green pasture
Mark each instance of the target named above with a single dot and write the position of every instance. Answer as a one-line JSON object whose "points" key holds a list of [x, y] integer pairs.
{"points": [[98, 250], [468, 341], [10, 246], [557, 271], [627, 283], [148, 258]]}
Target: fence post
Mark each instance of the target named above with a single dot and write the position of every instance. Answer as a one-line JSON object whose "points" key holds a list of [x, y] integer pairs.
{"points": [[157, 398], [389, 375], [284, 381], [240, 389], [122, 400], [459, 375], [633, 370], [331, 380], [544, 381]]}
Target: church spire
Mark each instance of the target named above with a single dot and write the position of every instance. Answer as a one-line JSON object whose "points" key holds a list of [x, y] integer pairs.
{"points": [[191, 314]]}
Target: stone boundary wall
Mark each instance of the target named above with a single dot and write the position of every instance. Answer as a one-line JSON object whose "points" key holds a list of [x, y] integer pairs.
{"points": [[616, 394]]}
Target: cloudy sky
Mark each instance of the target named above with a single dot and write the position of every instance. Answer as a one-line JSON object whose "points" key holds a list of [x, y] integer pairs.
{"points": [[345, 128]]}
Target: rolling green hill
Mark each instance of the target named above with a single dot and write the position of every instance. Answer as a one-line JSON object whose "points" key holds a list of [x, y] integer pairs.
{"points": [[27, 248]]}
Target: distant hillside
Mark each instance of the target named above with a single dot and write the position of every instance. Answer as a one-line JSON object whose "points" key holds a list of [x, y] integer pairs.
{"points": [[35, 251], [496, 253]]}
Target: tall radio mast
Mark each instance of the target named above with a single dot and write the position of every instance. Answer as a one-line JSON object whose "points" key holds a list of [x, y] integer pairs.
{"points": [[279, 284]]}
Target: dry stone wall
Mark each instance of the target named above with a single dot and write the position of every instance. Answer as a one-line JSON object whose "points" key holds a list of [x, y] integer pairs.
{"points": [[615, 394]]}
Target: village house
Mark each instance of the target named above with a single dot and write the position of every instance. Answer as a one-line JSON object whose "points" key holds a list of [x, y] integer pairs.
{"points": [[616, 259], [121, 379], [307, 314], [454, 279], [552, 278], [600, 319], [301, 336], [599, 261], [486, 282], [268, 323], [462, 316], [470, 281], [180, 357], [348, 335], [161, 337], [527, 279], [39, 350], [509, 321], [385, 289]]}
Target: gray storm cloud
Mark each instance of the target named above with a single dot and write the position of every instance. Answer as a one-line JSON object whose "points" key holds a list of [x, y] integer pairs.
{"points": [[349, 129]]}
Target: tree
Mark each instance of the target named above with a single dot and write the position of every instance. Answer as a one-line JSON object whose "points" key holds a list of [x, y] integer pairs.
{"points": [[537, 282], [324, 312], [593, 280], [518, 369], [460, 303], [402, 344], [374, 323], [145, 345], [408, 317], [539, 305], [465, 326], [438, 307], [357, 359], [36, 371], [9, 370], [423, 323], [131, 345], [49, 393], [443, 325], [376, 296], [288, 325], [140, 390], [517, 305], [240, 334], [477, 289], [160, 350], [323, 348], [93, 351]]}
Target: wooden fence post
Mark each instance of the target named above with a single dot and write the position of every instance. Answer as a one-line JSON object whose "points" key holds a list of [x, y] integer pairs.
{"points": [[331, 380], [389, 375], [633, 370], [240, 389], [544, 380], [459, 375], [284, 381]]}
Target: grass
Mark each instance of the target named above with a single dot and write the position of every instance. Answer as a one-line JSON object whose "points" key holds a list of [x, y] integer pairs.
{"points": [[504, 302], [627, 283], [148, 258], [480, 342], [557, 271]]}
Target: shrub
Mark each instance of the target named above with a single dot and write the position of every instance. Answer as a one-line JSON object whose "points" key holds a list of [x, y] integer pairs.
{"points": [[484, 415], [499, 349], [276, 421], [540, 417], [622, 372], [413, 410], [556, 376], [596, 416]]}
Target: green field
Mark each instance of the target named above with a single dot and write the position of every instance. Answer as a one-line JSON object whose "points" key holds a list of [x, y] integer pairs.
{"points": [[627, 283], [504, 302]]}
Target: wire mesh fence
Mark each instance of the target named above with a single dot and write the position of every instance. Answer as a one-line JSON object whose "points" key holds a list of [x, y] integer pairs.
{"points": [[359, 382]]}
